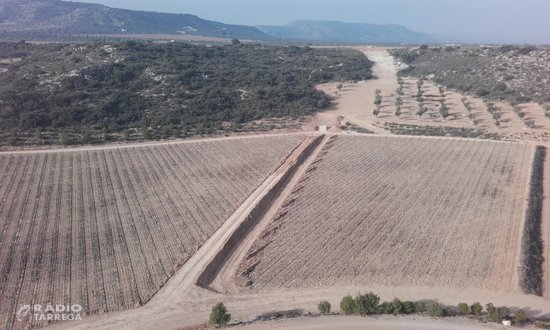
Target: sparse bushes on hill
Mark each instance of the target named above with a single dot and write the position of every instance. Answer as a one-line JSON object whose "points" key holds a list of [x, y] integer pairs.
{"points": [[487, 72], [166, 86]]}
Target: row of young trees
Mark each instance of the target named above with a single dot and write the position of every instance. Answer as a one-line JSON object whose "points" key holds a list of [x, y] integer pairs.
{"points": [[370, 303], [422, 109]]}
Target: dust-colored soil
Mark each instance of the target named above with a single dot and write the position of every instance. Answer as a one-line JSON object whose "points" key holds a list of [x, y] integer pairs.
{"points": [[379, 323], [107, 228], [400, 212], [354, 102], [10, 60], [193, 307]]}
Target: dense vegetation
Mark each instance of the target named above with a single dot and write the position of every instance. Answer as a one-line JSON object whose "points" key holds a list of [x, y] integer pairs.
{"points": [[407, 129], [532, 248], [514, 74], [173, 88]]}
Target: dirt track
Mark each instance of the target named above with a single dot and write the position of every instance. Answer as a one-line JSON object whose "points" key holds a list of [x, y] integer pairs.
{"points": [[379, 323], [224, 280]]}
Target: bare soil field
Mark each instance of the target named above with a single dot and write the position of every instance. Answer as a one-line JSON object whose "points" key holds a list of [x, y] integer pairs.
{"points": [[106, 228], [399, 212]]}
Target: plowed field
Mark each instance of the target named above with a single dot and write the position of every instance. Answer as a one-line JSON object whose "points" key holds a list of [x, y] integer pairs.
{"points": [[106, 228], [399, 212]]}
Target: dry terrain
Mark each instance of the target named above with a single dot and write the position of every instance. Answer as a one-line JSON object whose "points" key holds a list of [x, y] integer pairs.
{"points": [[468, 115], [379, 323], [399, 212], [106, 228]]}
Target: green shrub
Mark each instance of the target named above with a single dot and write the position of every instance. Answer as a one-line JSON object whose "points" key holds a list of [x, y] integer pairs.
{"points": [[419, 307], [397, 306], [64, 139], [347, 305], [385, 308], [87, 137], [444, 111], [12, 140], [491, 313], [502, 313], [408, 307], [38, 139], [520, 316], [463, 309], [436, 310], [324, 307], [366, 304], [476, 309], [219, 315]]}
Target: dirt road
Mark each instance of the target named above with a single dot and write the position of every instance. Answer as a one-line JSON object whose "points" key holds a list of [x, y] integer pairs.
{"points": [[380, 323], [224, 281], [355, 102]]}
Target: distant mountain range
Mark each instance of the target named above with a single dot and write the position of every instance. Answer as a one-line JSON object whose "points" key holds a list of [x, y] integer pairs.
{"points": [[46, 19], [330, 31], [55, 17]]}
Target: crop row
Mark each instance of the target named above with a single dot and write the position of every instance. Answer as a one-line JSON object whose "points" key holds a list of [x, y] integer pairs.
{"points": [[395, 211], [106, 228]]}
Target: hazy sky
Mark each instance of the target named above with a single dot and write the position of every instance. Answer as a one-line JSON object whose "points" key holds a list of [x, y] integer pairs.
{"points": [[490, 20]]}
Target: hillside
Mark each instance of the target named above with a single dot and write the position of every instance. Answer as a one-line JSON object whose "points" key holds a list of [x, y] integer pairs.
{"points": [[512, 73], [330, 31], [30, 19], [89, 91]]}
